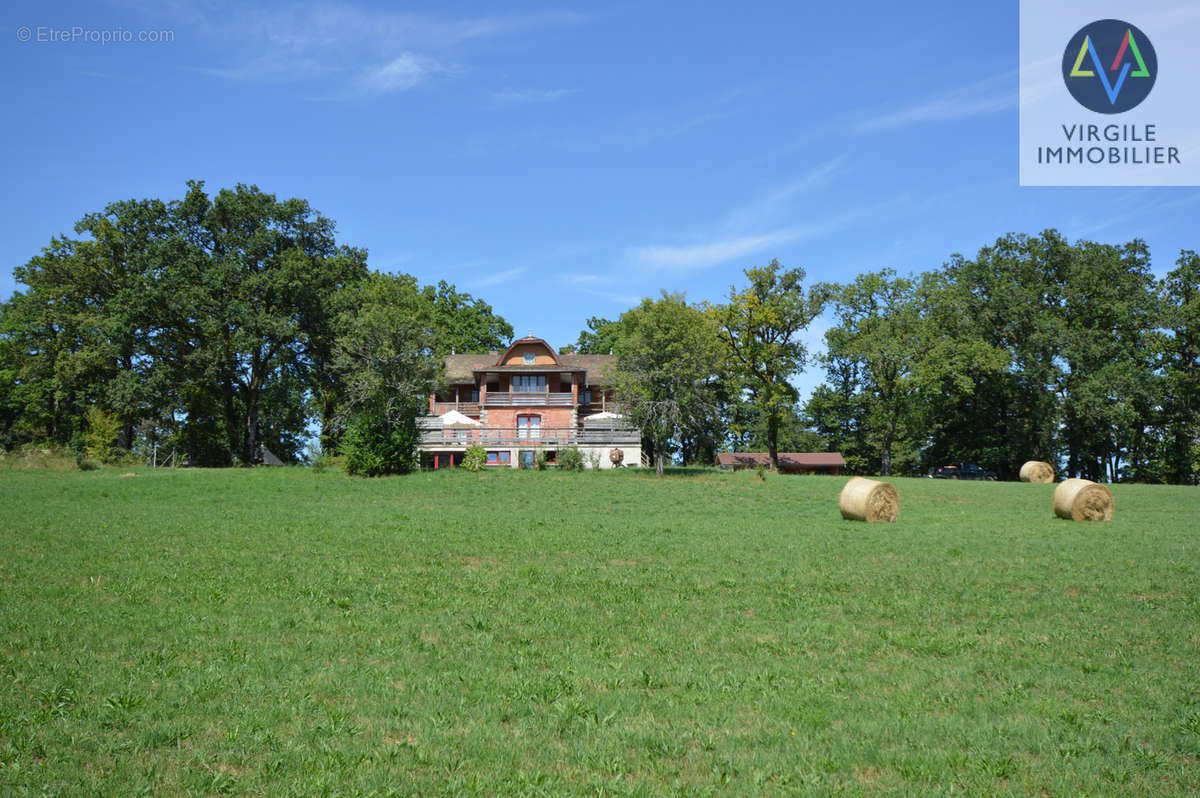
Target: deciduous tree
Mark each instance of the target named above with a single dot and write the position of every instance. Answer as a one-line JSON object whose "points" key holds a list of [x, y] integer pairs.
{"points": [[1181, 306], [667, 353], [386, 356], [761, 327]]}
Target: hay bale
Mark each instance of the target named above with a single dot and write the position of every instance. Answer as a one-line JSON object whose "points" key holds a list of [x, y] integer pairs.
{"points": [[868, 500], [1037, 471], [1082, 500]]}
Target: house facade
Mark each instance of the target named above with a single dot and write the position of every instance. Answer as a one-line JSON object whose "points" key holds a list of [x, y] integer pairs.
{"points": [[524, 401]]}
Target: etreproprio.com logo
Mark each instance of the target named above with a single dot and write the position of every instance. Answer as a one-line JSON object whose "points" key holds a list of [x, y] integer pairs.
{"points": [[1109, 66]]}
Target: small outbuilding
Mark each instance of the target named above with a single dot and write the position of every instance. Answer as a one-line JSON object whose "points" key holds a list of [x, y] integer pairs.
{"points": [[789, 462]]}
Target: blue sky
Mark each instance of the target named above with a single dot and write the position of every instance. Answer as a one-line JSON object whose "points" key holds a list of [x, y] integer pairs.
{"points": [[559, 160]]}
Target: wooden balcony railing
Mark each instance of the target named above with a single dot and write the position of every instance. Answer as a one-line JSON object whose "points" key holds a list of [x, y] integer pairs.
{"points": [[466, 408], [435, 435], [528, 399]]}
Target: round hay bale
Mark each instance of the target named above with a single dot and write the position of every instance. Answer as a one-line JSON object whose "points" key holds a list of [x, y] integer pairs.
{"points": [[868, 500], [1082, 500], [1037, 471]]}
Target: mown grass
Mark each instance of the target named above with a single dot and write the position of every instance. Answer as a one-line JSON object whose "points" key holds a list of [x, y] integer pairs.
{"points": [[286, 632]]}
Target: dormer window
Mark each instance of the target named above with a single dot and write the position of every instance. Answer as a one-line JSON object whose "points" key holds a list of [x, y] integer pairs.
{"points": [[530, 358]]}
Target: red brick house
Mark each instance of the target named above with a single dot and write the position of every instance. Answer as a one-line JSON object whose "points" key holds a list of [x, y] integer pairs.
{"points": [[525, 400]]}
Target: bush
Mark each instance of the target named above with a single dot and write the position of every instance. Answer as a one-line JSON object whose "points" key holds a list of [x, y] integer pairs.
{"points": [[100, 437], [570, 459], [592, 459], [475, 458], [39, 455], [539, 460], [87, 464], [322, 460], [374, 447]]}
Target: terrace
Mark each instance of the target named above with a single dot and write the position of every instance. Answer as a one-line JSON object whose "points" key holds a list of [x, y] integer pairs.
{"points": [[433, 434]]}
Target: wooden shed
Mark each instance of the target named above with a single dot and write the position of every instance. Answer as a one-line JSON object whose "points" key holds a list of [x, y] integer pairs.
{"points": [[789, 462]]}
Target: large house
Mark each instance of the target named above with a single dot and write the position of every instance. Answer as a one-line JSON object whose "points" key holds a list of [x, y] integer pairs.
{"points": [[526, 400]]}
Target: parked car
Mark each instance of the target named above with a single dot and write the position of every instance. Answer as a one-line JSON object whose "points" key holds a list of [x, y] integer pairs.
{"points": [[962, 471]]}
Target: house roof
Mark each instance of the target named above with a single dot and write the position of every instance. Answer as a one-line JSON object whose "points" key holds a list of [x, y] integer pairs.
{"points": [[786, 459], [529, 339], [594, 365], [461, 369]]}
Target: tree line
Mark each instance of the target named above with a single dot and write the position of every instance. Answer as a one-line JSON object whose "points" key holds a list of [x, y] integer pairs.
{"points": [[1035, 349], [217, 325]]}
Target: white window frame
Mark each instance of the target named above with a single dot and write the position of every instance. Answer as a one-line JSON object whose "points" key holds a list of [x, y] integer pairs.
{"points": [[531, 430]]}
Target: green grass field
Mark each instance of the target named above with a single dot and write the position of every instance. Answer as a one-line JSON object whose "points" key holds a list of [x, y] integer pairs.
{"points": [[522, 633]]}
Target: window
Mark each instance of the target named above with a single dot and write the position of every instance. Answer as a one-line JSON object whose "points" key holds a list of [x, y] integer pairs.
{"points": [[530, 358], [529, 383], [529, 427], [586, 397], [499, 458]]}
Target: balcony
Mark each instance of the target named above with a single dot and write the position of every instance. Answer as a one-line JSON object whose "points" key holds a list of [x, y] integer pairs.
{"points": [[466, 408], [432, 434], [528, 400]]}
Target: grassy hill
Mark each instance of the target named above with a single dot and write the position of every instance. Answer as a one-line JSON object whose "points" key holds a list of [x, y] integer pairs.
{"points": [[286, 632]]}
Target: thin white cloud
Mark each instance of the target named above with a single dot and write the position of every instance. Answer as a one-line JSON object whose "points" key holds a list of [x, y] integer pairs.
{"points": [[500, 277], [368, 50], [1141, 210], [989, 96], [701, 256], [400, 74], [627, 300], [529, 96], [694, 257], [743, 228], [765, 208], [580, 279]]}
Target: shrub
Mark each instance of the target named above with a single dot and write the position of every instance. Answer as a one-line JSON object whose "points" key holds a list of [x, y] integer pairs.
{"points": [[475, 458], [570, 459], [374, 447], [539, 460], [87, 464], [100, 437], [322, 460], [43, 454], [592, 459]]}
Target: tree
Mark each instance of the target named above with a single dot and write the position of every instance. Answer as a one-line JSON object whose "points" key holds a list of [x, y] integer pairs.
{"points": [[203, 321], [600, 338], [838, 410], [1109, 311], [253, 295], [760, 327], [464, 323], [880, 329], [386, 355], [998, 324], [89, 316], [1181, 402], [665, 362]]}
